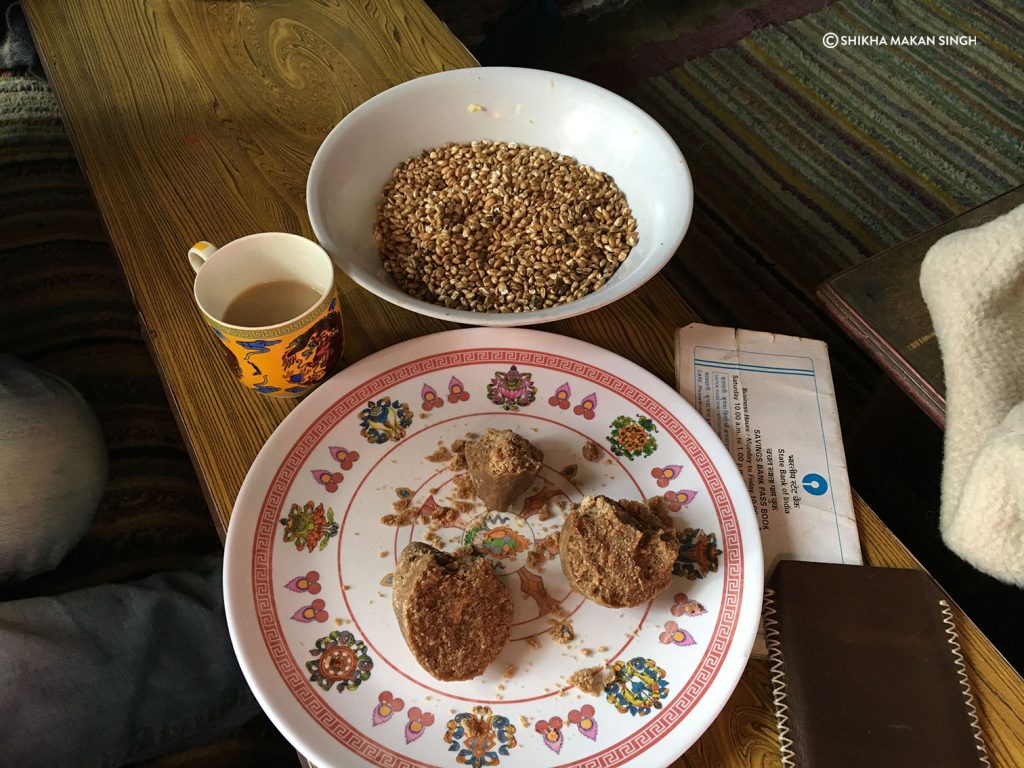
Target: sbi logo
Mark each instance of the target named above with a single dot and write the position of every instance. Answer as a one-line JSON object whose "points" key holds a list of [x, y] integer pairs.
{"points": [[815, 484]]}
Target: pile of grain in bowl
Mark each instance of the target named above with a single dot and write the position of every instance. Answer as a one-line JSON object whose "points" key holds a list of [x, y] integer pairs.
{"points": [[497, 227]]}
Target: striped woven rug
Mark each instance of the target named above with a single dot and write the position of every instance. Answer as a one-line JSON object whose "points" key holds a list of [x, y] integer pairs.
{"points": [[808, 159]]}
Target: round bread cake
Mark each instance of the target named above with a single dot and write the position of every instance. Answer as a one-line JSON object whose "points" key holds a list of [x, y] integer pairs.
{"points": [[618, 554], [454, 613], [502, 465]]}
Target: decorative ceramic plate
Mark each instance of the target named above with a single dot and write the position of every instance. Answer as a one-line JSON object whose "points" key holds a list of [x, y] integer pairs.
{"points": [[309, 561]]}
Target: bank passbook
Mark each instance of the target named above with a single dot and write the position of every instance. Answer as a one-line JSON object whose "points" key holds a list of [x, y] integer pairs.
{"points": [[770, 399]]}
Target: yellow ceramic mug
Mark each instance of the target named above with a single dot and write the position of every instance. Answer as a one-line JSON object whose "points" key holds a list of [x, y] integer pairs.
{"points": [[290, 336]]}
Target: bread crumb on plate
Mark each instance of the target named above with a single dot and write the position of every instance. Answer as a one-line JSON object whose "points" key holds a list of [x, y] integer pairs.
{"points": [[591, 680]]}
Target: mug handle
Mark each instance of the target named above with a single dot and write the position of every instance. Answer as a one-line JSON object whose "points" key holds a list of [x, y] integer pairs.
{"points": [[199, 253]]}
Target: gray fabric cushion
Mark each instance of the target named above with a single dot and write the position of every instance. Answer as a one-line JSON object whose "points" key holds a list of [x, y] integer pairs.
{"points": [[54, 469], [16, 49]]}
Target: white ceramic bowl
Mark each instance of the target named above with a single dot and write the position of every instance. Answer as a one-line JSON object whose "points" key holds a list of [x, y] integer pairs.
{"points": [[526, 106]]}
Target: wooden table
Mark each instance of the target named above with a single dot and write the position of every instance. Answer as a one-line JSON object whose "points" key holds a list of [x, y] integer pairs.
{"points": [[198, 120], [879, 304]]}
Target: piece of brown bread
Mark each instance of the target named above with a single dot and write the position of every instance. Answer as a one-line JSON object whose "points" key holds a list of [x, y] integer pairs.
{"points": [[502, 464], [454, 613], [618, 554]]}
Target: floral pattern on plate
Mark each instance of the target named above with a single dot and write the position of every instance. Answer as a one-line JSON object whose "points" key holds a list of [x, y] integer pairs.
{"points": [[299, 564]]}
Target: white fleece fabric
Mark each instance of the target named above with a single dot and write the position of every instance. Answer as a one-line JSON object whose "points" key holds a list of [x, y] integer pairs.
{"points": [[973, 284]]}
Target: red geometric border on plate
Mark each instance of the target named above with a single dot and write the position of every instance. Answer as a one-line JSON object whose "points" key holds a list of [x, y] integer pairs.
{"points": [[263, 598]]}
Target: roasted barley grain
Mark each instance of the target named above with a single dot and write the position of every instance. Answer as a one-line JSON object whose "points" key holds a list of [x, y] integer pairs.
{"points": [[498, 227]]}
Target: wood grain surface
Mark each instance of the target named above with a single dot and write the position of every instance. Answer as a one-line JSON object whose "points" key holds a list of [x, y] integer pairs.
{"points": [[198, 119]]}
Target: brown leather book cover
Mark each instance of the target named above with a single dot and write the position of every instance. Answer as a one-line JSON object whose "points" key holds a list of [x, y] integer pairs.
{"points": [[867, 669]]}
